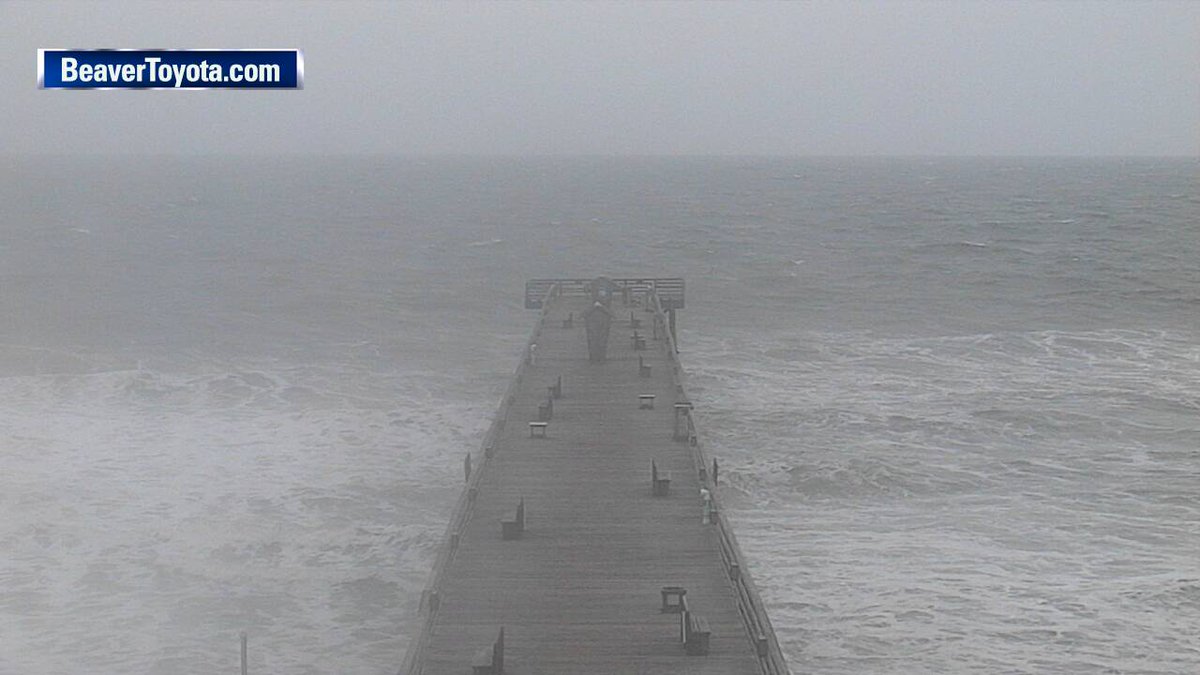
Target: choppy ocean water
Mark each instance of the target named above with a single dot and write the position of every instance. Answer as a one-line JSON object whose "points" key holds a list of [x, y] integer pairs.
{"points": [[957, 401]]}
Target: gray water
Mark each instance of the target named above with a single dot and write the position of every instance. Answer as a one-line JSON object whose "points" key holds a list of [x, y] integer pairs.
{"points": [[956, 401]]}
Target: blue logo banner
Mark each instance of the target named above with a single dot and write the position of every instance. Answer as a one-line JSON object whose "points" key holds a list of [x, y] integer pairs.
{"points": [[170, 69]]}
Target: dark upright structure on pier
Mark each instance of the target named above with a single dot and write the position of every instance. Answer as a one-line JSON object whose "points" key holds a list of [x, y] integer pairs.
{"points": [[591, 540]]}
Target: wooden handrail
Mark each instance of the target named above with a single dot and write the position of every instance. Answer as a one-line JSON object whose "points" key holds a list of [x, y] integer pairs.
{"points": [[750, 605], [464, 507], [669, 289]]}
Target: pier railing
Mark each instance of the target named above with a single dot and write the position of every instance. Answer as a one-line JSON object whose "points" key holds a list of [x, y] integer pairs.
{"points": [[463, 508], [750, 605], [669, 290]]}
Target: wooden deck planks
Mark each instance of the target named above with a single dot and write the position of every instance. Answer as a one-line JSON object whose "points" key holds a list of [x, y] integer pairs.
{"points": [[579, 592]]}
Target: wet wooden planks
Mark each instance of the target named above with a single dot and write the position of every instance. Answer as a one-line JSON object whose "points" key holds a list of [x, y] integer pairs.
{"points": [[579, 591]]}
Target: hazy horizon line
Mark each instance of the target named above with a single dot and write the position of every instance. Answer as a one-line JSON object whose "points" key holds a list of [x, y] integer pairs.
{"points": [[512, 156]]}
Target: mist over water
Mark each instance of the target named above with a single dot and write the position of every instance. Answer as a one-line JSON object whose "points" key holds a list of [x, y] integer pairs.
{"points": [[957, 402]]}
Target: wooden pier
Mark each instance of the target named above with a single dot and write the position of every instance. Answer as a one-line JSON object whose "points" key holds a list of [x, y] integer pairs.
{"points": [[583, 541]]}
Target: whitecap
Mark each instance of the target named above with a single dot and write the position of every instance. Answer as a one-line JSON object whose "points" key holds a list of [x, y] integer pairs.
{"points": [[489, 242]]}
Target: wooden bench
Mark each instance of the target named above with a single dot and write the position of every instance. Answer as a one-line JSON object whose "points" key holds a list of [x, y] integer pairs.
{"points": [[683, 427], [538, 429], [490, 660], [696, 634], [694, 631], [515, 527], [660, 483], [429, 601], [639, 342], [646, 401]]}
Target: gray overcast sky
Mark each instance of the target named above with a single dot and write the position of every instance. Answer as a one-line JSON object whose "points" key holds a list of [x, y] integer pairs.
{"points": [[817, 78]]}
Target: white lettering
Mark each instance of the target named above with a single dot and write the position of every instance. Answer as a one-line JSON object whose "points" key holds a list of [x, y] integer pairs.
{"points": [[152, 61], [69, 72], [154, 72], [106, 72]]}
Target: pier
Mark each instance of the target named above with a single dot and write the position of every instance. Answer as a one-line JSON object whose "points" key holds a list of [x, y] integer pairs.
{"points": [[589, 537]]}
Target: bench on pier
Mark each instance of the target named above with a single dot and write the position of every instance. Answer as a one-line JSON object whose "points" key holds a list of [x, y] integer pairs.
{"points": [[697, 634], [514, 527], [643, 369], [660, 483], [646, 401], [430, 600], [694, 630], [683, 426], [639, 342], [490, 660], [538, 429]]}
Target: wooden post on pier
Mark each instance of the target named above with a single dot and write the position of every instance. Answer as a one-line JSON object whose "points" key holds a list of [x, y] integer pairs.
{"points": [[245, 665]]}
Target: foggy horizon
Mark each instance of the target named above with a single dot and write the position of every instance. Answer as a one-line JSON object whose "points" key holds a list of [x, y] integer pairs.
{"points": [[821, 79], [581, 155]]}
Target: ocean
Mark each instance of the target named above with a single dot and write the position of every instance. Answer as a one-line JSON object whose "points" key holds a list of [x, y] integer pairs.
{"points": [[956, 401]]}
